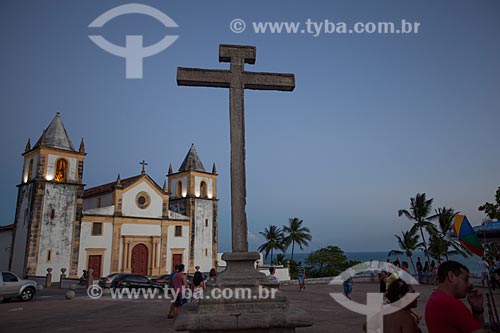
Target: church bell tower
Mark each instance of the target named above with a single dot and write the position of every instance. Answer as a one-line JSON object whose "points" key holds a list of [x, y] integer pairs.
{"points": [[49, 205], [193, 192]]}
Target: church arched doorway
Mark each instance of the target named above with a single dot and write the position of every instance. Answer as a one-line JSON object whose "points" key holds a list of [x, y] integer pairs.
{"points": [[139, 259]]}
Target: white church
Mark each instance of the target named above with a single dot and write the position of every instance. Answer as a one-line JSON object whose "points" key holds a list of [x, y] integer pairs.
{"points": [[128, 225]]}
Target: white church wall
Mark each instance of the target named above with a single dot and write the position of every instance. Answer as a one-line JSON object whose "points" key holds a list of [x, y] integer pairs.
{"points": [[203, 234], [88, 242], [5, 248], [22, 228], [141, 229], [91, 203], [177, 243], [197, 184], [56, 233], [130, 207], [51, 165]]}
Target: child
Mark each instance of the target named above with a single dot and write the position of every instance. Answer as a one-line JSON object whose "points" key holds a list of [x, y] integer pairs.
{"points": [[348, 287]]}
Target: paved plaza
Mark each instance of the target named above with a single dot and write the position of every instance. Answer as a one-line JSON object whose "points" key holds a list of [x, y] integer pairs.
{"points": [[50, 311]]}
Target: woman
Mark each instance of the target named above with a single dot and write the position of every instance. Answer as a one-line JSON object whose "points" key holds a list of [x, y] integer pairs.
{"points": [[434, 270], [404, 320], [212, 275], [198, 286], [427, 272]]}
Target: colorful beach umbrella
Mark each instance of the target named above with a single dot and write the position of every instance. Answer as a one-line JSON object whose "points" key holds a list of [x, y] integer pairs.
{"points": [[467, 235]]}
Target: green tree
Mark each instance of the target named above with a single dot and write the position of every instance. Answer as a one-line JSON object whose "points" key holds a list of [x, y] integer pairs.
{"points": [[280, 259], [492, 210], [492, 250], [440, 242], [420, 208], [274, 241], [328, 261], [409, 242], [296, 233]]}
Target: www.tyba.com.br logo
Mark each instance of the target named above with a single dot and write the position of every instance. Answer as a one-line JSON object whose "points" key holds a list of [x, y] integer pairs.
{"points": [[133, 52]]}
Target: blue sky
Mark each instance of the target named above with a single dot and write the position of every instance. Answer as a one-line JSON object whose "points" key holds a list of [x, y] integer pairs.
{"points": [[374, 118]]}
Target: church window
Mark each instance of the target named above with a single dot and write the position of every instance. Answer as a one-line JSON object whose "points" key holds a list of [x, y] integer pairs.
{"points": [[206, 252], [203, 189], [61, 170], [178, 231], [30, 170], [178, 190], [52, 213], [206, 222], [96, 229], [142, 199], [49, 255]]}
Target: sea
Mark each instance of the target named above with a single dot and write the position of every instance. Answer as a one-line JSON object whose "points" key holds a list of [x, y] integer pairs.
{"points": [[472, 262]]}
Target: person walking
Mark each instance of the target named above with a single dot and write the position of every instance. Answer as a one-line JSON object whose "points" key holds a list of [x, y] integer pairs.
{"points": [[420, 270], [348, 287], [179, 284], [198, 287], [301, 276]]}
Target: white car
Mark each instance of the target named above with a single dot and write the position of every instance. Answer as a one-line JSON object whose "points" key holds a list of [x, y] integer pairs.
{"points": [[11, 286]]}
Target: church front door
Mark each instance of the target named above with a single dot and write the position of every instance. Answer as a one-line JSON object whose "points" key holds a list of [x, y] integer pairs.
{"points": [[95, 265], [139, 260]]}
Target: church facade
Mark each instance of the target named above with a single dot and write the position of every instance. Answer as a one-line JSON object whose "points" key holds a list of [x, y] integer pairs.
{"points": [[128, 225]]}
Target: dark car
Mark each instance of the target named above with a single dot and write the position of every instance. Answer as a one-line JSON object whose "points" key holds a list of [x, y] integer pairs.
{"points": [[134, 281], [105, 281], [162, 280]]}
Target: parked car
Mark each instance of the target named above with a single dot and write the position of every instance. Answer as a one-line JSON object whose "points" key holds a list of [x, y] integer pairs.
{"points": [[12, 286], [162, 280], [105, 281], [133, 281]]}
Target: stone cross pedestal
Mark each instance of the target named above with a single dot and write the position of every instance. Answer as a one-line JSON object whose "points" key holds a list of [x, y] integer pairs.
{"points": [[250, 311]]}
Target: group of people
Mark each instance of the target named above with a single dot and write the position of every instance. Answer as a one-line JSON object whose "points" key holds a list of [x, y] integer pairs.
{"points": [[490, 272], [428, 272], [179, 284], [444, 311]]}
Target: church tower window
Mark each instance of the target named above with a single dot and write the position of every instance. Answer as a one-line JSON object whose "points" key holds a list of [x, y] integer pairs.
{"points": [[203, 189], [61, 170], [178, 190], [178, 231], [30, 170]]}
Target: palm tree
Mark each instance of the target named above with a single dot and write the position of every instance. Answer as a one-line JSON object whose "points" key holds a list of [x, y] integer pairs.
{"points": [[274, 240], [296, 233], [440, 240], [280, 259], [420, 208], [409, 243]]}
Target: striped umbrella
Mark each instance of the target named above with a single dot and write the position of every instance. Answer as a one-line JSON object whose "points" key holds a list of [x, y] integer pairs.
{"points": [[466, 235]]}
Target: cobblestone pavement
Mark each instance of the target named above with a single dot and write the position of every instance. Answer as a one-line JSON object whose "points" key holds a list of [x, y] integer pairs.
{"points": [[49, 311]]}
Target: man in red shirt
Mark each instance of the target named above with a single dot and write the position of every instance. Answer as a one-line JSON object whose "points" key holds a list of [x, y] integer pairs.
{"points": [[445, 312]]}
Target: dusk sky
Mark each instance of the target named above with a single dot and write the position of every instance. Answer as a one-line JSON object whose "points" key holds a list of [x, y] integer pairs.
{"points": [[374, 118]]}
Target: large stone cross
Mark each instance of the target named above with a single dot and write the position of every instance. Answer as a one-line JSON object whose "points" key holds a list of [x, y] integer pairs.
{"points": [[237, 80]]}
